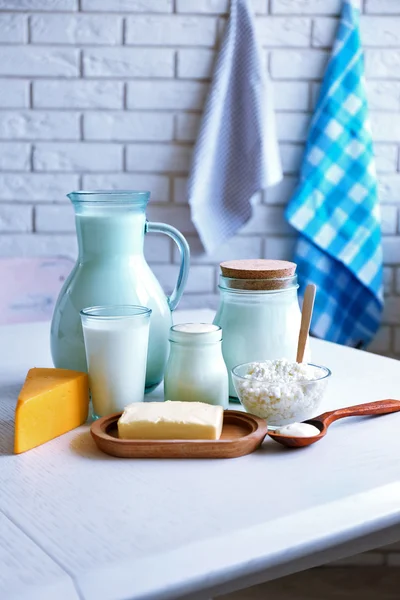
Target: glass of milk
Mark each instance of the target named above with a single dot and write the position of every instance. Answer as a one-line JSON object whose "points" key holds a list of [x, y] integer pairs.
{"points": [[116, 342]]}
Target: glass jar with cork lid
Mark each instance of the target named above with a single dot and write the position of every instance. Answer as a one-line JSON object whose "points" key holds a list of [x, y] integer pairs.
{"points": [[259, 312]]}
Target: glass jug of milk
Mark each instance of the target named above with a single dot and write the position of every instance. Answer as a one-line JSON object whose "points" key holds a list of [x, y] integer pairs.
{"points": [[111, 270]]}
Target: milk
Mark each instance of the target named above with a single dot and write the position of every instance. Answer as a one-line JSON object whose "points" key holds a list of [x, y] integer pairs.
{"points": [[116, 353], [196, 370], [111, 269]]}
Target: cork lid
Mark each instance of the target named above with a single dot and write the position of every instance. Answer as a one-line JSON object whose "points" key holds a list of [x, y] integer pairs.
{"points": [[258, 268]]}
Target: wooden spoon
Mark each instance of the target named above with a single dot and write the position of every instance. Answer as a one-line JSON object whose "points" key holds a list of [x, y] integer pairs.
{"points": [[381, 407], [306, 315]]}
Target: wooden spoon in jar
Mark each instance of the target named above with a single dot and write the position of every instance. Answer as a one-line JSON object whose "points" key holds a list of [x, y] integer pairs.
{"points": [[306, 316], [381, 407]]}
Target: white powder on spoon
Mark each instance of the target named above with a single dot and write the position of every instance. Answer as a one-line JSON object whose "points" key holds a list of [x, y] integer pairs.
{"points": [[303, 430]]}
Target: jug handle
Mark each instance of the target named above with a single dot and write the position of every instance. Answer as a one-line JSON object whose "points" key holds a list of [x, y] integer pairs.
{"points": [[174, 298]]}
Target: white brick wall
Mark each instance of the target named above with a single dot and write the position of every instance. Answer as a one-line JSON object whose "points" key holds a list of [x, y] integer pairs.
{"points": [[26, 61], [77, 157], [39, 125], [77, 94], [124, 126], [166, 95], [128, 62], [76, 29], [108, 94]]}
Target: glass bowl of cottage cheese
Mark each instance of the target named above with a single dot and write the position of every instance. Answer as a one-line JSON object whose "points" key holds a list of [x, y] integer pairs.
{"points": [[281, 391]]}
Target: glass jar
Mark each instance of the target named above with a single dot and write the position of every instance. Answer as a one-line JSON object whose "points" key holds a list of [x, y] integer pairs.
{"points": [[196, 370], [260, 317]]}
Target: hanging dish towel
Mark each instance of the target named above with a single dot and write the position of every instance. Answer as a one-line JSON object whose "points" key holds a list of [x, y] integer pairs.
{"points": [[236, 153], [335, 207]]}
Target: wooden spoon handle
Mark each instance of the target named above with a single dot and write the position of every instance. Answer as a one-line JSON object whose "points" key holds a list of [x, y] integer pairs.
{"points": [[380, 407], [306, 314]]}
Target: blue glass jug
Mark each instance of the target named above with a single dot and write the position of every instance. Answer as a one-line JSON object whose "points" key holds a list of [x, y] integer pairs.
{"points": [[111, 269]]}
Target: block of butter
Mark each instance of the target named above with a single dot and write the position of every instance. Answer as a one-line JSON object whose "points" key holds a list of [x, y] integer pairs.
{"points": [[51, 402], [171, 420]]}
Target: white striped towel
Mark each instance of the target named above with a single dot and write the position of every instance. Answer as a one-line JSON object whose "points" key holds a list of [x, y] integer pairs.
{"points": [[236, 153]]}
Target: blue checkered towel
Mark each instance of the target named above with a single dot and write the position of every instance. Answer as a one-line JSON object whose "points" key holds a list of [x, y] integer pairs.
{"points": [[335, 207], [236, 153]]}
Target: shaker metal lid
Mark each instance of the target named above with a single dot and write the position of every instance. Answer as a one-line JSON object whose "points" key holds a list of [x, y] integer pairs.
{"points": [[257, 268]]}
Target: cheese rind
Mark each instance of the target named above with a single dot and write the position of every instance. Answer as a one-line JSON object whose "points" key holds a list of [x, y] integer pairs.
{"points": [[171, 420], [51, 402]]}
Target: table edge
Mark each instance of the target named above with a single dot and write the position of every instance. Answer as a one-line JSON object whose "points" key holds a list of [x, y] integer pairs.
{"points": [[241, 555]]}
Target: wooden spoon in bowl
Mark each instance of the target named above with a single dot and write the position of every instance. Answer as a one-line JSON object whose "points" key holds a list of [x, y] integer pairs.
{"points": [[381, 407], [306, 316]]}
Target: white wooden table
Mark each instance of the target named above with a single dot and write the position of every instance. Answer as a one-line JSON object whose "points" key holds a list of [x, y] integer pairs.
{"points": [[76, 524]]}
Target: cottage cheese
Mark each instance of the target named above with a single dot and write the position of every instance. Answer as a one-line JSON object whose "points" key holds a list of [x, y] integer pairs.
{"points": [[281, 391]]}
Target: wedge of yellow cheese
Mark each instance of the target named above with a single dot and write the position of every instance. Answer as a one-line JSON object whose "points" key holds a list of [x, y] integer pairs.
{"points": [[51, 402]]}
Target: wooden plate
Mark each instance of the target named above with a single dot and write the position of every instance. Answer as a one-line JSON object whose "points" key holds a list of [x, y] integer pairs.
{"points": [[242, 433]]}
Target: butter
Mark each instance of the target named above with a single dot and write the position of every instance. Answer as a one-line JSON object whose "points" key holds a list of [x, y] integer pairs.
{"points": [[171, 421]]}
